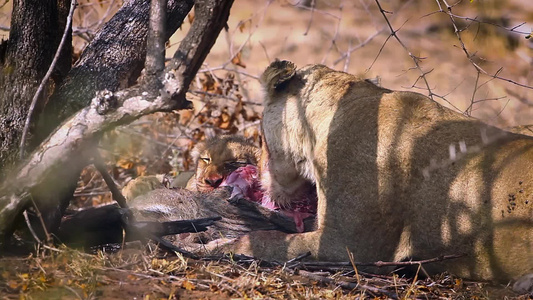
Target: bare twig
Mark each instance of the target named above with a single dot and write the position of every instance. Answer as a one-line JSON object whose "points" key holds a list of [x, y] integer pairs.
{"points": [[352, 261], [30, 227], [298, 258], [111, 184], [381, 263], [469, 56], [73, 291], [334, 39], [358, 46], [415, 59], [312, 8], [347, 285], [45, 79], [41, 221]]}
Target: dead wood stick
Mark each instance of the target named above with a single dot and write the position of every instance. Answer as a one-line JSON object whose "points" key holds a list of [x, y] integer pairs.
{"points": [[170, 247], [378, 263], [346, 284], [111, 184], [299, 257]]}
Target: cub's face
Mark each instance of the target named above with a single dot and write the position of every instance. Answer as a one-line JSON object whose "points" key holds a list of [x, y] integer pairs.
{"points": [[216, 158]]}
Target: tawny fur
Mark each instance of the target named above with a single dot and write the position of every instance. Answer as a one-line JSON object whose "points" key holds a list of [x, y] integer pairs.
{"points": [[522, 129], [219, 156], [142, 185], [391, 179], [224, 154]]}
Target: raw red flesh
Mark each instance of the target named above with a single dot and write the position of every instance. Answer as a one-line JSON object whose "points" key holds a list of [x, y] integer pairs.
{"points": [[246, 184]]}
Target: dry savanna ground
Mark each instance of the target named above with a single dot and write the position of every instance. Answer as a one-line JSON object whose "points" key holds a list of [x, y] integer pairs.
{"points": [[346, 35]]}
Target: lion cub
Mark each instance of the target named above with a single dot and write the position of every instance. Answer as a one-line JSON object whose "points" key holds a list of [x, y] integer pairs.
{"points": [[217, 157]]}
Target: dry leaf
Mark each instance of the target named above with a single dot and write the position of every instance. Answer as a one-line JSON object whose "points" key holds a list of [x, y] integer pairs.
{"points": [[12, 284], [242, 26], [125, 163], [236, 60], [188, 285]]}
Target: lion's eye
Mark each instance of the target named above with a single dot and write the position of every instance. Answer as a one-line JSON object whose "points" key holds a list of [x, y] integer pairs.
{"points": [[206, 159]]}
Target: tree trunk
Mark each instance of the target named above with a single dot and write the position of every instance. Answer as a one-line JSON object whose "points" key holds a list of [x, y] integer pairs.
{"points": [[50, 173], [112, 61], [36, 29]]}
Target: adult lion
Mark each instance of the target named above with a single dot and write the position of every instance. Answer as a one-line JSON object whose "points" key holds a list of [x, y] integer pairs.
{"points": [[397, 175]]}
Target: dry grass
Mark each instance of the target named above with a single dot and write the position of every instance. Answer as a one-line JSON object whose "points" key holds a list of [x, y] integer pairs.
{"points": [[150, 274]]}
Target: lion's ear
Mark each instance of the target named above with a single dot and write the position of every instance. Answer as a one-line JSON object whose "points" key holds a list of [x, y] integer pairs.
{"points": [[276, 74]]}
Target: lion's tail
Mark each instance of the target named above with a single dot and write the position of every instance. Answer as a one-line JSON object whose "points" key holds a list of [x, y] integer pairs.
{"points": [[279, 72]]}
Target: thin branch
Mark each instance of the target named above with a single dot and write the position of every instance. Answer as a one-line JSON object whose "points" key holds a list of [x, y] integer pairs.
{"points": [[312, 8], [469, 56], [334, 39], [111, 184], [28, 224], [40, 217], [265, 51], [360, 45], [346, 284], [511, 29], [45, 79], [350, 264], [413, 57]]}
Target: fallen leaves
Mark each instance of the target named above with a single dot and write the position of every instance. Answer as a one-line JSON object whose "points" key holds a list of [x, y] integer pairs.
{"points": [[152, 275]]}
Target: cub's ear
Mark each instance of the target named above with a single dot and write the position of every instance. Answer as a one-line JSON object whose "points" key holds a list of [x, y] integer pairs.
{"points": [[276, 74]]}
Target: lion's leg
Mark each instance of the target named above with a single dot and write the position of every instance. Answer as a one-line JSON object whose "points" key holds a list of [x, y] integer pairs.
{"points": [[275, 245]]}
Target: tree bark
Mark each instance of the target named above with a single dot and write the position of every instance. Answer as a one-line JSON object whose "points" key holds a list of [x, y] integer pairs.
{"points": [[36, 29], [48, 173], [117, 52], [112, 61]]}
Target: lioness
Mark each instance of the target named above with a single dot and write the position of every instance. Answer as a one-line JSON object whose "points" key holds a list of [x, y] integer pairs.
{"points": [[217, 157], [397, 176]]}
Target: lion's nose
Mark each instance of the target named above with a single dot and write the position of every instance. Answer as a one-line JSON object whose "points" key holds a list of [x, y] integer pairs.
{"points": [[214, 181]]}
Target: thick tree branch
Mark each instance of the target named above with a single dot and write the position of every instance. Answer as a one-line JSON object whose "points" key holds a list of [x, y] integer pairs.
{"points": [[155, 47], [62, 153], [117, 52], [210, 18], [36, 28], [41, 87], [113, 60]]}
